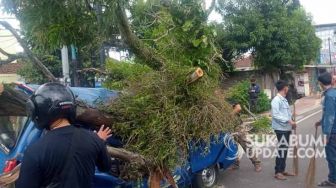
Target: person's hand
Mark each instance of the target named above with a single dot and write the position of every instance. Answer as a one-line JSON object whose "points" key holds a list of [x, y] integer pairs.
{"points": [[317, 124], [292, 123], [104, 133]]}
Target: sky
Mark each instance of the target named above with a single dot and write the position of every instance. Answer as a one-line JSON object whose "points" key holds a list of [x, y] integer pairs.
{"points": [[7, 41], [323, 11]]}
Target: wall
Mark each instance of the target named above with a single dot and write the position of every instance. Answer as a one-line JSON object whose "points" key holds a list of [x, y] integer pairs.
{"points": [[265, 81], [9, 78], [327, 34]]}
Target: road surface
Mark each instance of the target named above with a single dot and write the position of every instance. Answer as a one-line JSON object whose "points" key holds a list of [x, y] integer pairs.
{"points": [[245, 177]]}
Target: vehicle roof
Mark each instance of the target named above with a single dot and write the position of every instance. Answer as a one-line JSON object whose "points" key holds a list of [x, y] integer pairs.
{"points": [[91, 96]]}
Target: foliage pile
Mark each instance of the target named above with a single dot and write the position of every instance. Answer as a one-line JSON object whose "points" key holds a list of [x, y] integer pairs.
{"points": [[161, 113], [239, 93], [262, 125]]}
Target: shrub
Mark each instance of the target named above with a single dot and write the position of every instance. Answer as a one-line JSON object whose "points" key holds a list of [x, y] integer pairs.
{"points": [[239, 93], [262, 125]]}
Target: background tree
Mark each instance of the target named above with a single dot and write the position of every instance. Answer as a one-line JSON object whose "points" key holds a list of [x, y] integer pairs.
{"points": [[88, 25], [279, 35]]}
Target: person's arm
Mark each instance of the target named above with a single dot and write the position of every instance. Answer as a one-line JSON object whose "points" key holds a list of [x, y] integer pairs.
{"points": [[30, 172], [104, 160], [257, 89], [277, 114], [329, 114]]}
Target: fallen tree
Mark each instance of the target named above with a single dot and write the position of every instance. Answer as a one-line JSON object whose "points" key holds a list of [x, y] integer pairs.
{"points": [[165, 106]]}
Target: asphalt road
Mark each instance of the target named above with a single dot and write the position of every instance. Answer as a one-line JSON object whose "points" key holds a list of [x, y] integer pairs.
{"points": [[246, 177]]}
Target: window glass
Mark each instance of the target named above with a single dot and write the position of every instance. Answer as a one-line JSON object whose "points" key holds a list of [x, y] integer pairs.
{"points": [[10, 130]]}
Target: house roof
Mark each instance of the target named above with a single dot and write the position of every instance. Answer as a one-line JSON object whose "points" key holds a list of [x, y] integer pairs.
{"points": [[10, 68], [244, 63]]}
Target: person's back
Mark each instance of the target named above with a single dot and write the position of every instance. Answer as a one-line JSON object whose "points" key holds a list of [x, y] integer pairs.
{"points": [[329, 110], [50, 154], [66, 156]]}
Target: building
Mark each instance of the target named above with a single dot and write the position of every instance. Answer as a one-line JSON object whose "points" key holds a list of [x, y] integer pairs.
{"points": [[327, 56], [8, 72], [244, 69], [327, 34]]}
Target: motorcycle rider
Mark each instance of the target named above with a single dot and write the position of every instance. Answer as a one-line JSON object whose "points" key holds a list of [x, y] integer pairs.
{"points": [[66, 156]]}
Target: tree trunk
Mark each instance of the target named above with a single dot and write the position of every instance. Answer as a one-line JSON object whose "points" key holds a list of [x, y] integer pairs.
{"points": [[13, 103], [152, 59]]}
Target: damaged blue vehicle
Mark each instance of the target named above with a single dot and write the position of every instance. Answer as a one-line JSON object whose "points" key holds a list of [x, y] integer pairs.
{"points": [[201, 170]]}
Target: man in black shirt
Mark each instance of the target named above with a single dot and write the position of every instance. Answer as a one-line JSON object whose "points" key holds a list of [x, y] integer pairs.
{"points": [[254, 91], [66, 156]]}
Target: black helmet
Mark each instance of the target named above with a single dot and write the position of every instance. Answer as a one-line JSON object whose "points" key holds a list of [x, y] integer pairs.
{"points": [[50, 102]]}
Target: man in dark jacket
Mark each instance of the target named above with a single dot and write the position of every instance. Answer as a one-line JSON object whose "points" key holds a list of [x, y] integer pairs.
{"points": [[66, 156], [328, 126], [254, 92]]}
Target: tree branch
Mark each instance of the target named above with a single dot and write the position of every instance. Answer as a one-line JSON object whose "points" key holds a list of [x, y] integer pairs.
{"points": [[127, 155], [29, 53], [4, 52], [152, 59], [10, 57]]}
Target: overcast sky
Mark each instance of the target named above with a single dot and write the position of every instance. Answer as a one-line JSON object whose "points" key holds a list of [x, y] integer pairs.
{"points": [[323, 11]]}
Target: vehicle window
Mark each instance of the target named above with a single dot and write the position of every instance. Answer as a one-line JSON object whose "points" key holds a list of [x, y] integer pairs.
{"points": [[10, 130]]}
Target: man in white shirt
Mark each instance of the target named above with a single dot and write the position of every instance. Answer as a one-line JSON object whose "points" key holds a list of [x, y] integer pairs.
{"points": [[282, 124]]}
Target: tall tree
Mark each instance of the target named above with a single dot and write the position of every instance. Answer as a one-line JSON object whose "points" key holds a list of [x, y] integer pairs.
{"points": [[47, 25], [279, 34]]}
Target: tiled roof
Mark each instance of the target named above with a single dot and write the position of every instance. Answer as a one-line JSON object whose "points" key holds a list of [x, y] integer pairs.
{"points": [[10, 68], [244, 63]]}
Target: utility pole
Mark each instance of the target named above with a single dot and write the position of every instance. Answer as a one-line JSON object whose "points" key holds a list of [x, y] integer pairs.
{"points": [[75, 65], [329, 39], [65, 65], [330, 58]]}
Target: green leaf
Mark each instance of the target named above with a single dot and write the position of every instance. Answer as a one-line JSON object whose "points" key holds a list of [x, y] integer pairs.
{"points": [[196, 42], [187, 26]]}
